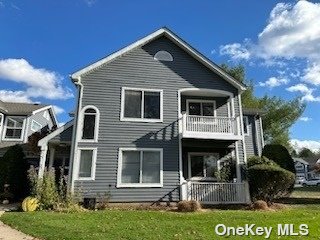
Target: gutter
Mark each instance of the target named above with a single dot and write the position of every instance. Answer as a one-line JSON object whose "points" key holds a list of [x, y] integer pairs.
{"points": [[73, 152]]}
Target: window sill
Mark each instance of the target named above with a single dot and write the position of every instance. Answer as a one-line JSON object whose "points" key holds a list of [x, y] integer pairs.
{"points": [[156, 185], [143, 120], [85, 179], [88, 140], [13, 139]]}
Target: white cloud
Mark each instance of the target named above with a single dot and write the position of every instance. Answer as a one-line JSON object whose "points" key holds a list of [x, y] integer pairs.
{"points": [[236, 51], [14, 96], [58, 110], [90, 3], [306, 91], [60, 124], [40, 82], [274, 82], [302, 88], [300, 144], [312, 74], [292, 32], [305, 119]]}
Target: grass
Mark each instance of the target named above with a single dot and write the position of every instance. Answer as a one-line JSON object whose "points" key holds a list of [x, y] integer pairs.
{"points": [[130, 224]]}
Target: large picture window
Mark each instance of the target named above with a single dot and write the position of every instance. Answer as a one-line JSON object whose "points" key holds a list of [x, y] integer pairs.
{"points": [[140, 168], [14, 128], [90, 123], [87, 162], [141, 105]]}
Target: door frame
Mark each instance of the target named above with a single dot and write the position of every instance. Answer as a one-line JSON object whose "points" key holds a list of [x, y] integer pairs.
{"points": [[190, 154]]}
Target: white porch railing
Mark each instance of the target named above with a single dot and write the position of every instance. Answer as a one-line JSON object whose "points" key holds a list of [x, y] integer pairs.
{"points": [[209, 125], [218, 193]]}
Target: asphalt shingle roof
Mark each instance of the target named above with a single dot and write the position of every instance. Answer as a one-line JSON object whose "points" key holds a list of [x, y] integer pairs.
{"points": [[14, 108]]}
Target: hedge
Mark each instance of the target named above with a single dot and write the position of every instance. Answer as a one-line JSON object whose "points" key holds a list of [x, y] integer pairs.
{"points": [[269, 182]]}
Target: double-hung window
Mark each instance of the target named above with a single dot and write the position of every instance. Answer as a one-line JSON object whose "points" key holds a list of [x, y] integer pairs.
{"points": [[14, 128], [141, 105], [140, 167], [87, 163]]}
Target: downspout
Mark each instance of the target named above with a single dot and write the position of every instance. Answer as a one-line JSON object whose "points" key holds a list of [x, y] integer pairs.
{"points": [[74, 142], [259, 143]]}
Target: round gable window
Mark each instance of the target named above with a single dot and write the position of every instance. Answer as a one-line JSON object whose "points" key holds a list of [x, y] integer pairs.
{"points": [[163, 56]]}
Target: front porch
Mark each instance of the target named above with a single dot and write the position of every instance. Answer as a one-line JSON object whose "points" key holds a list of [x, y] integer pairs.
{"points": [[212, 173]]}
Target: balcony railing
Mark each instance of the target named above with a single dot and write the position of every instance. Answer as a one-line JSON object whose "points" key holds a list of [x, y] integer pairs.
{"points": [[209, 126]]}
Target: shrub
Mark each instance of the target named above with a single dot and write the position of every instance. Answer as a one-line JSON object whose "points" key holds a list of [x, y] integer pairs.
{"points": [[44, 189], [280, 155], [227, 172], [269, 182], [30, 204], [52, 195], [189, 206], [13, 171], [256, 160]]}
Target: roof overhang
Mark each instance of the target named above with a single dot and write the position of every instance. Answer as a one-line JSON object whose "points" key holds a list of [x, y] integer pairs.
{"points": [[178, 41]]}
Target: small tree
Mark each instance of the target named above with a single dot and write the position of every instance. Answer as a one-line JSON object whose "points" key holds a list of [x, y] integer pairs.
{"points": [[13, 171], [280, 155]]}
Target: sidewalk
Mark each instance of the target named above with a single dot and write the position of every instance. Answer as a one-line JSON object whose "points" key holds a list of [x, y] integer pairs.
{"points": [[8, 233]]}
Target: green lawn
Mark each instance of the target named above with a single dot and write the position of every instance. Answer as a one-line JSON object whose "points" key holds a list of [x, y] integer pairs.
{"points": [[306, 192], [126, 224]]}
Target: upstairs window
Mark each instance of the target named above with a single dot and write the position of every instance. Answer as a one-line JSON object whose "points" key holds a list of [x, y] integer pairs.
{"points": [[14, 128], [90, 123], [35, 126], [141, 105], [163, 56], [1, 119], [201, 107]]}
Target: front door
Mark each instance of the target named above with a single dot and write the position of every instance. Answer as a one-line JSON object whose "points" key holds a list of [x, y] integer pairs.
{"points": [[203, 166]]}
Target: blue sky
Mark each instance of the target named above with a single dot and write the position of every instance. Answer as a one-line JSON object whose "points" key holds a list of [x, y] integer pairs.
{"points": [[42, 42]]}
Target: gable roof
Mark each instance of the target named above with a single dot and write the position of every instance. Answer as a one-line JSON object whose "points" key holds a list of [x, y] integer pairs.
{"points": [[15, 108], [174, 38]]}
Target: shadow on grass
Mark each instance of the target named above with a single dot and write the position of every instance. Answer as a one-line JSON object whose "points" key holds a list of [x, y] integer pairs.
{"points": [[303, 201]]}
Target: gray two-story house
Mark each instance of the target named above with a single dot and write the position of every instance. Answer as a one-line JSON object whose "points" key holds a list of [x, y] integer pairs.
{"points": [[18, 121], [157, 121]]}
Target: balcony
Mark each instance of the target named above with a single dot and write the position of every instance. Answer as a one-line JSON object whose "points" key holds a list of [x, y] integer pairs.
{"points": [[207, 127]]}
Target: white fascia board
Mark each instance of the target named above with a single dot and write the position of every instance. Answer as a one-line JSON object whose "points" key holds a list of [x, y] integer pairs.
{"points": [[163, 31]]}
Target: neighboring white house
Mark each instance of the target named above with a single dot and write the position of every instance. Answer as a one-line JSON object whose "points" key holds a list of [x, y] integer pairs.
{"points": [[302, 168]]}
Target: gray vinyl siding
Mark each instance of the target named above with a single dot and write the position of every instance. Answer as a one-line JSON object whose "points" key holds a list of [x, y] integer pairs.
{"points": [[253, 139], [38, 117], [138, 69]]}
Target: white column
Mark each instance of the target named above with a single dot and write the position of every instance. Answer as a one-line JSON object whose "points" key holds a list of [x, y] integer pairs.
{"points": [[51, 157], [42, 162]]}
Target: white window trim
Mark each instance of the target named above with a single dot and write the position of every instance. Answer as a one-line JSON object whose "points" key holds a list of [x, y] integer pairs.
{"points": [[34, 121], [201, 154], [123, 118], [5, 129], [93, 167], [96, 126], [201, 101], [246, 119], [139, 185]]}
